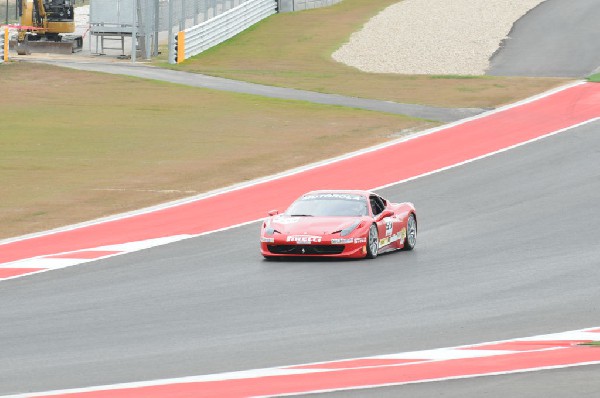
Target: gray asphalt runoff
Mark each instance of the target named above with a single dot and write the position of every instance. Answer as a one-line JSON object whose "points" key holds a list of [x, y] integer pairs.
{"points": [[558, 38], [218, 83], [508, 248]]}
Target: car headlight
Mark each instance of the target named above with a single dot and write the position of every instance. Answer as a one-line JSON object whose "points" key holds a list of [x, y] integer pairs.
{"points": [[348, 230], [269, 230]]}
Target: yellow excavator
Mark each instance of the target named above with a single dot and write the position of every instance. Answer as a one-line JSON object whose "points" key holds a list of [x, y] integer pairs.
{"points": [[43, 27]]}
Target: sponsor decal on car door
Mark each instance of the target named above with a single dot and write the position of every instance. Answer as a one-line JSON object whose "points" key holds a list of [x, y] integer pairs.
{"points": [[392, 224], [386, 229]]}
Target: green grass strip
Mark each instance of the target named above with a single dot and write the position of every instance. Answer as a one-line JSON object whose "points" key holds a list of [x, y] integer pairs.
{"points": [[595, 78], [295, 50], [456, 77], [592, 343]]}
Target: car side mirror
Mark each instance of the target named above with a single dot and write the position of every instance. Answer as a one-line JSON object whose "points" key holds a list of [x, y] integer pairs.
{"points": [[384, 214], [273, 212]]}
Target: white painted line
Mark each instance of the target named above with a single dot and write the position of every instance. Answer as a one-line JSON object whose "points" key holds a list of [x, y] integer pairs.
{"points": [[135, 246], [566, 336], [143, 244], [401, 181], [125, 248], [294, 171], [444, 354], [45, 263], [489, 154], [246, 374], [422, 381], [146, 244]]}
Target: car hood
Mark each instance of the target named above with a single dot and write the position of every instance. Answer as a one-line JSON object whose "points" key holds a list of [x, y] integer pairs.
{"points": [[311, 225]]}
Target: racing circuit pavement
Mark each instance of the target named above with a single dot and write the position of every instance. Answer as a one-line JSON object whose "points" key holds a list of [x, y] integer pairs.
{"points": [[557, 38], [507, 248]]}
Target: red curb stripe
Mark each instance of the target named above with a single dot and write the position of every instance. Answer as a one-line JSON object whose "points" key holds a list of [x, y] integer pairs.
{"points": [[357, 378], [397, 162]]}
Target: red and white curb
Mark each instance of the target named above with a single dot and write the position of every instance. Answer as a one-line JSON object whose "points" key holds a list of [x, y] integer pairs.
{"points": [[551, 351], [52, 262], [398, 161]]}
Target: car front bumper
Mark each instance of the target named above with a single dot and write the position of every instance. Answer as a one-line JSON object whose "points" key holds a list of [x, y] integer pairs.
{"points": [[335, 247]]}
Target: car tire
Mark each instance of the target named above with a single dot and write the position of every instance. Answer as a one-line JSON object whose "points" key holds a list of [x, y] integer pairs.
{"points": [[372, 242], [411, 233]]}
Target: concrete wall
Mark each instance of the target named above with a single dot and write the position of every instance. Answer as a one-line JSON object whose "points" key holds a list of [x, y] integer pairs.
{"points": [[299, 5]]}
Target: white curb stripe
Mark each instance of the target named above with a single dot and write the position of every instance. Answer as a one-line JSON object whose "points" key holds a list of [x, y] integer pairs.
{"points": [[576, 335], [471, 376], [443, 354], [69, 259], [135, 246], [143, 244], [125, 248], [44, 263], [287, 173]]}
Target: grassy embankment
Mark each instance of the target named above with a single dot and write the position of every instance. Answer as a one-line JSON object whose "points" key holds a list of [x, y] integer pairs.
{"points": [[294, 50], [77, 145]]}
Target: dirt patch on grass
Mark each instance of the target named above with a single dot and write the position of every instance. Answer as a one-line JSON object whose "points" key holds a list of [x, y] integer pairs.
{"points": [[294, 50], [75, 145]]}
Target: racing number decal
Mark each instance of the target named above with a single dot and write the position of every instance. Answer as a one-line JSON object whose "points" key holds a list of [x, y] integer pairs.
{"points": [[389, 226]]}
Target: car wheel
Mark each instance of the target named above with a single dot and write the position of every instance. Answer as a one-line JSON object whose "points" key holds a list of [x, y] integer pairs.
{"points": [[411, 233], [373, 242]]}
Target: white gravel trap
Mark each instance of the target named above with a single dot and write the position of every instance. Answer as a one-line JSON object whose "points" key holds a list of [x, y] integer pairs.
{"points": [[433, 36]]}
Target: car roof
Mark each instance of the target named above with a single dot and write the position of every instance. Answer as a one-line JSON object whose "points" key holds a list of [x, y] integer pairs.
{"points": [[340, 191]]}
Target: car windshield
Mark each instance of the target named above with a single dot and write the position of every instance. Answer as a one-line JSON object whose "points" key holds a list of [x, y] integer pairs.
{"points": [[329, 205]]}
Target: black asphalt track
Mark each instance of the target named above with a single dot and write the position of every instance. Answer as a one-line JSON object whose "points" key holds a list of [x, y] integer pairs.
{"points": [[508, 247], [558, 38]]}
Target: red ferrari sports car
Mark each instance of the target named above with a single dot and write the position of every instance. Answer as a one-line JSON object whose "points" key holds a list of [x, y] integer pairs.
{"points": [[352, 224]]}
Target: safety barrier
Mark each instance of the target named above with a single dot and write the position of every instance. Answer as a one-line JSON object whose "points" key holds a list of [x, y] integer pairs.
{"points": [[3, 37], [216, 30], [299, 5]]}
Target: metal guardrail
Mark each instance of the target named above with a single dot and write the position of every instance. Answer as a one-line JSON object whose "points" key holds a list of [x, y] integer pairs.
{"points": [[216, 30]]}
